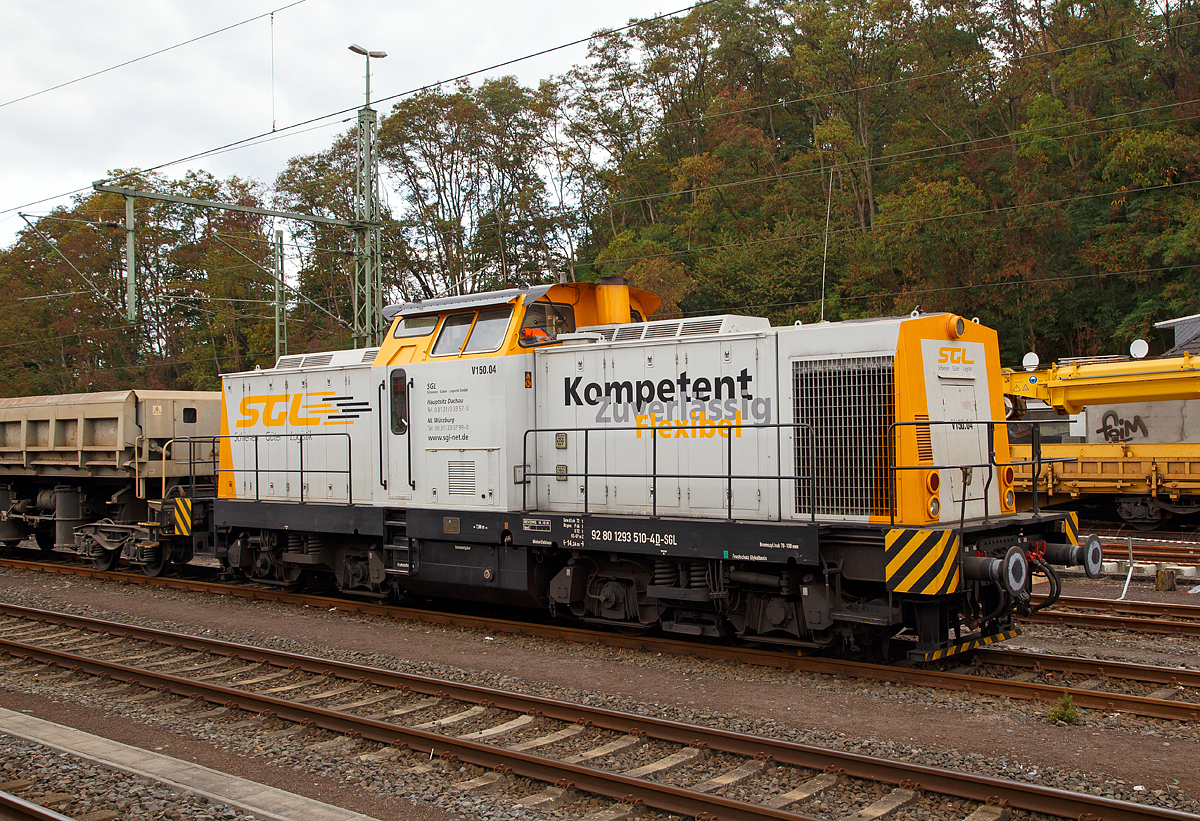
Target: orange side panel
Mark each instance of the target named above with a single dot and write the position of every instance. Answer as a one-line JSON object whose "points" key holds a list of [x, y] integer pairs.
{"points": [[227, 483]]}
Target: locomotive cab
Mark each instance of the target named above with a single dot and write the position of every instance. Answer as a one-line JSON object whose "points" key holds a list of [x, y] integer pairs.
{"points": [[506, 323]]}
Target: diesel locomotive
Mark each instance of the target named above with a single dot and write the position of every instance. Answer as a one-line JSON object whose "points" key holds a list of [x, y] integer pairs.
{"points": [[833, 485]]}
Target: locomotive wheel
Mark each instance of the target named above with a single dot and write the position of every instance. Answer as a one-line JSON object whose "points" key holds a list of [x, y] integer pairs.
{"points": [[268, 569], [629, 630], [293, 579], [106, 560]]}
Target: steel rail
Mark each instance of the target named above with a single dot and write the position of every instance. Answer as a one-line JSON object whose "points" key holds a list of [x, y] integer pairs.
{"points": [[13, 808], [1163, 557], [1134, 608], [1029, 797], [1140, 537], [1146, 549], [1137, 705], [1102, 621], [611, 785], [1123, 670]]}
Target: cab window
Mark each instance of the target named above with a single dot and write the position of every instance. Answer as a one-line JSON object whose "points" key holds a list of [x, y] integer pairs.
{"points": [[489, 331], [544, 321], [415, 326], [463, 333], [454, 334]]}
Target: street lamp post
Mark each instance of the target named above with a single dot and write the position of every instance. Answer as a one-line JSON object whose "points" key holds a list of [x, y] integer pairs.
{"points": [[368, 278], [357, 49]]}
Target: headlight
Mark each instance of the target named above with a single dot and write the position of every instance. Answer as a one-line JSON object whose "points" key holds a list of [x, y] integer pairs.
{"points": [[935, 507], [1009, 499], [956, 326]]}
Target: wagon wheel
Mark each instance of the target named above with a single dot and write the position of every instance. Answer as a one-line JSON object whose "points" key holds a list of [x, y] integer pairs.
{"points": [[157, 568], [158, 564], [1146, 527], [106, 559], [44, 536]]}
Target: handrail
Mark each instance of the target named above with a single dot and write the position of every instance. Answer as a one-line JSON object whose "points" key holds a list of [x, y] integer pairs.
{"points": [[992, 462], [192, 461], [382, 437], [166, 445], [412, 480], [258, 469], [654, 475], [136, 477]]}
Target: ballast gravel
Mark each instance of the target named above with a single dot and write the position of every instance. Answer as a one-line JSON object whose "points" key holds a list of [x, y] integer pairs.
{"points": [[85, 791], [960, 731]]}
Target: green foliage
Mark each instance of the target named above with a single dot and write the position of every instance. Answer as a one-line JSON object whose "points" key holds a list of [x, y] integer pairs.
{"points": [[1064, 709], [65, 330]]}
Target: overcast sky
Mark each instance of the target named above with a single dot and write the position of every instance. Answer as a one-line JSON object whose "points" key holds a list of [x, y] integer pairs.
{"points": [[219, 89]]}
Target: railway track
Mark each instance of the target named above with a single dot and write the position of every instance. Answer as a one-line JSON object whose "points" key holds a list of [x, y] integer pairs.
{"points": [[560, 746], [1106, 614], [1151, 549], [1153, 692], [15, 808]]}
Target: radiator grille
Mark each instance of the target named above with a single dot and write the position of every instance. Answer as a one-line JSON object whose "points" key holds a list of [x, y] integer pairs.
{"points": [[461, 478], [924, 438], [849, 403], [662, 331], [702, 327]]}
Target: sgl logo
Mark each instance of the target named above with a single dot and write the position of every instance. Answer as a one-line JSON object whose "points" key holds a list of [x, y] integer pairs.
{"points": [[954, 356], [275, 410]]}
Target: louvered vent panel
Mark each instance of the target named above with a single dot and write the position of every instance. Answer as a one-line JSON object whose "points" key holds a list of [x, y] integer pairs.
{"points": [[849, 403], [318, 359], [605, 333], [700, 327], [628, 332], [462, 478], [924, 438], [662, 331], [368, 356], [289, 362]]}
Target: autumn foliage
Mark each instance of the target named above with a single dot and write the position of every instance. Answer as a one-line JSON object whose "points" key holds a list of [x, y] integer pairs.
{"points": [[1026, 162]]}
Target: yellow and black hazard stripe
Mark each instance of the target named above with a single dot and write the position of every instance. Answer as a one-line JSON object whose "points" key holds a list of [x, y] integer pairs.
{"points": [[1071, 527], [922, 561], [183, 517], [964, 646]]}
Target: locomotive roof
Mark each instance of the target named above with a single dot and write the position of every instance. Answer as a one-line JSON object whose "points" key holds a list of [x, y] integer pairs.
{"points": [[425, 306]]}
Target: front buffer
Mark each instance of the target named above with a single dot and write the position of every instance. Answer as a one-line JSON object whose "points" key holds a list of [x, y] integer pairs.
{"points": [[958, 588]]}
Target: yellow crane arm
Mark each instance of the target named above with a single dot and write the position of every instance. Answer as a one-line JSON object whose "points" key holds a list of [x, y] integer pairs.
{"points": [[1073, 386]]}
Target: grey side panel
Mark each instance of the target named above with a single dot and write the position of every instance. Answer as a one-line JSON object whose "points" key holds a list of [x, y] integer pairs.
{"points": [[305, 517]]}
